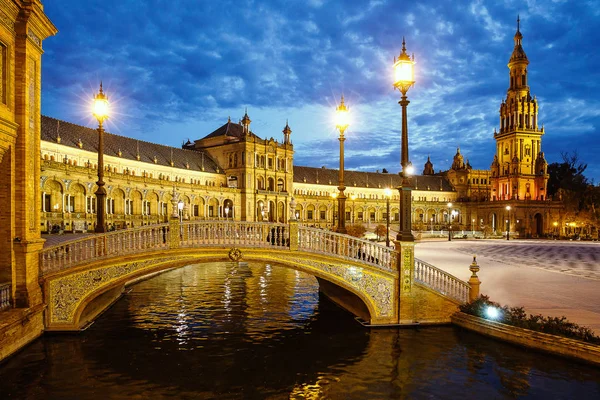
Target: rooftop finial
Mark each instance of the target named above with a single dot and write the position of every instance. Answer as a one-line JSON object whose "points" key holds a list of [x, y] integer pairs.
{"points": [[403, 44], [518, 22]]}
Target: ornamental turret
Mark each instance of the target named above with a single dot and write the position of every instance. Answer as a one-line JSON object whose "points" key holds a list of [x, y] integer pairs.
{"points": [[286, 133], [246, 123]]}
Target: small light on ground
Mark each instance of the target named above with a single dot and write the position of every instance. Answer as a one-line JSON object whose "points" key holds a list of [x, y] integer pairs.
{"points": [[492, 312]]}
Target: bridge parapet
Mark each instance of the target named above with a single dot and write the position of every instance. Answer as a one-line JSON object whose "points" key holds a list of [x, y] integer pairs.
{"points": [[90, 248], [348, 247], [441, 281]]}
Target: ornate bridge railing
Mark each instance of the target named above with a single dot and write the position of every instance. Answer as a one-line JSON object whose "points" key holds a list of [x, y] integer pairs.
{"points": [[243, 234], [238, 233], [326, 242], [441, 281], [106, 245]]}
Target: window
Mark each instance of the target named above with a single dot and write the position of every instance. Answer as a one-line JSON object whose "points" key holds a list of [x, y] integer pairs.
{"points": [[270, 163], [372, 216], [70, 203], [309, 214], [47, 202], [360, 215], [196, 210], [322, 214], [211, 211], [91, 205]]}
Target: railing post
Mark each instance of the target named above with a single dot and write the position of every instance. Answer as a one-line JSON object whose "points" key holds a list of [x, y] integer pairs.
{"points": [[406, 272], [174, 237], [474, 281], [294, 235]]}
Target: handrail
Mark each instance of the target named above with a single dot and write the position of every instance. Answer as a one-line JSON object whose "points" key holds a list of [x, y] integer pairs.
{"points": [[104, 245], [325, 242], [441, 281], [234, 233]]}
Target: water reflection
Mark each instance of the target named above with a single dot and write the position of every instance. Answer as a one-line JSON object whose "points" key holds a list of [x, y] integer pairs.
{"points": [[262, 331]]}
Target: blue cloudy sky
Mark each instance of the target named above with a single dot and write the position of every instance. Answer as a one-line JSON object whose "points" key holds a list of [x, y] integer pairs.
{"points": [[175, 70]]}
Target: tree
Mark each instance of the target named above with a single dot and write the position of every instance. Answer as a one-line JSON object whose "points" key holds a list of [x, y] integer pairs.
{"points": [[567, 180], [356, 230], [380, 230]]}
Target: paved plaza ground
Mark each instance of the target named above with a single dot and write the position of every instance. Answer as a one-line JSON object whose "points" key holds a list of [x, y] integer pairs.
{"points": [[553, 278]]}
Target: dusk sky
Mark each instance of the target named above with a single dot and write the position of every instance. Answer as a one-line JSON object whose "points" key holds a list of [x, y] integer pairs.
{"points": [[175, 70]]}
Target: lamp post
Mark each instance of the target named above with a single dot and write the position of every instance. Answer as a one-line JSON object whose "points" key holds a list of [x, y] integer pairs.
{"points": [[449, 223], [473, 226], [342, 123], [333, 197], [508, 224], [101, 114], [431, 220], [403, 80], [388, 194], [352, 197], [180, 208], [555, 229]]}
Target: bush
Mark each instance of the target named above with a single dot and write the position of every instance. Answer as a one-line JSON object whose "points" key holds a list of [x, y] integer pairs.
{"points": [[516, 316]]}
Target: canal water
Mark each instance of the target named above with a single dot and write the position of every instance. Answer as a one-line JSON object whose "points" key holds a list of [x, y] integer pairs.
{"points": [[222, 331]]}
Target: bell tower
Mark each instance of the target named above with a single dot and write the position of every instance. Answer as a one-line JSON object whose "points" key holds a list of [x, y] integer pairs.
{"points": [[518, 169]]}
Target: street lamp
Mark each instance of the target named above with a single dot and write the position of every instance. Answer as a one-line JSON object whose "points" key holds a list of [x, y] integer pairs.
{"points": [[352, 197], [431, 220], [180, 208], [101, 114], [555, 229], [473, 226], [342, 123], [333, 197], [508, 224], [388, 194], [449, 223], [403, 80]]}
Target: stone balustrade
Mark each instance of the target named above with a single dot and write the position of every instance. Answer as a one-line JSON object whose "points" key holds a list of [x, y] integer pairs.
{"points": [[441, 281]]}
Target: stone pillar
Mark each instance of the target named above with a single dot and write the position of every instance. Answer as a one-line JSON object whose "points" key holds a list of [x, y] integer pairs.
{"points": [[406, 273], [174, 233], [294, 235], [474, 281], [31, 27]]}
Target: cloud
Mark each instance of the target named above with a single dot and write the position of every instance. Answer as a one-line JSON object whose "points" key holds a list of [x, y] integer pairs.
{"points": [[183, 68]]}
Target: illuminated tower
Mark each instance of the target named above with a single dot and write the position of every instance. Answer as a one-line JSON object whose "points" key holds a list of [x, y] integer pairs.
{"points": [[519, 169]]}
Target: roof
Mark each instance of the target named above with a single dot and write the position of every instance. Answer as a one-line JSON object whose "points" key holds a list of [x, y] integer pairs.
{"points": [[71, 134], [230, 129], [325, 176]]}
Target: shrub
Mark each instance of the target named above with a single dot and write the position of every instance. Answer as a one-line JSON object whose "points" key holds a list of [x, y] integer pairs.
{"points": [[516, 316]]}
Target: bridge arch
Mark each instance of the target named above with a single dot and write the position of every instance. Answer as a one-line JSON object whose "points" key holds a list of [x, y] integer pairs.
{"points": [[77, 298]]}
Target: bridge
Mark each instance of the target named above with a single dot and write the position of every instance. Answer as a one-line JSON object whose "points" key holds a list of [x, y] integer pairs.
{"points": [[383, 286]]}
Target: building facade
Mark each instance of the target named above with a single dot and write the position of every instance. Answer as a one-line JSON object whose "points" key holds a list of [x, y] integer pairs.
{"points": [[232, 173]]}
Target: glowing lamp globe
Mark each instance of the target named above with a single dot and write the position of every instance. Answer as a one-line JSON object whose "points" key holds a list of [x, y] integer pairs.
{"points": [[342, 117], [101, 105], [404, 70]]}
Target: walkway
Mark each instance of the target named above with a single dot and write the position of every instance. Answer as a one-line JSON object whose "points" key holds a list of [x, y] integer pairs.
{"points": [[546, 277]]}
